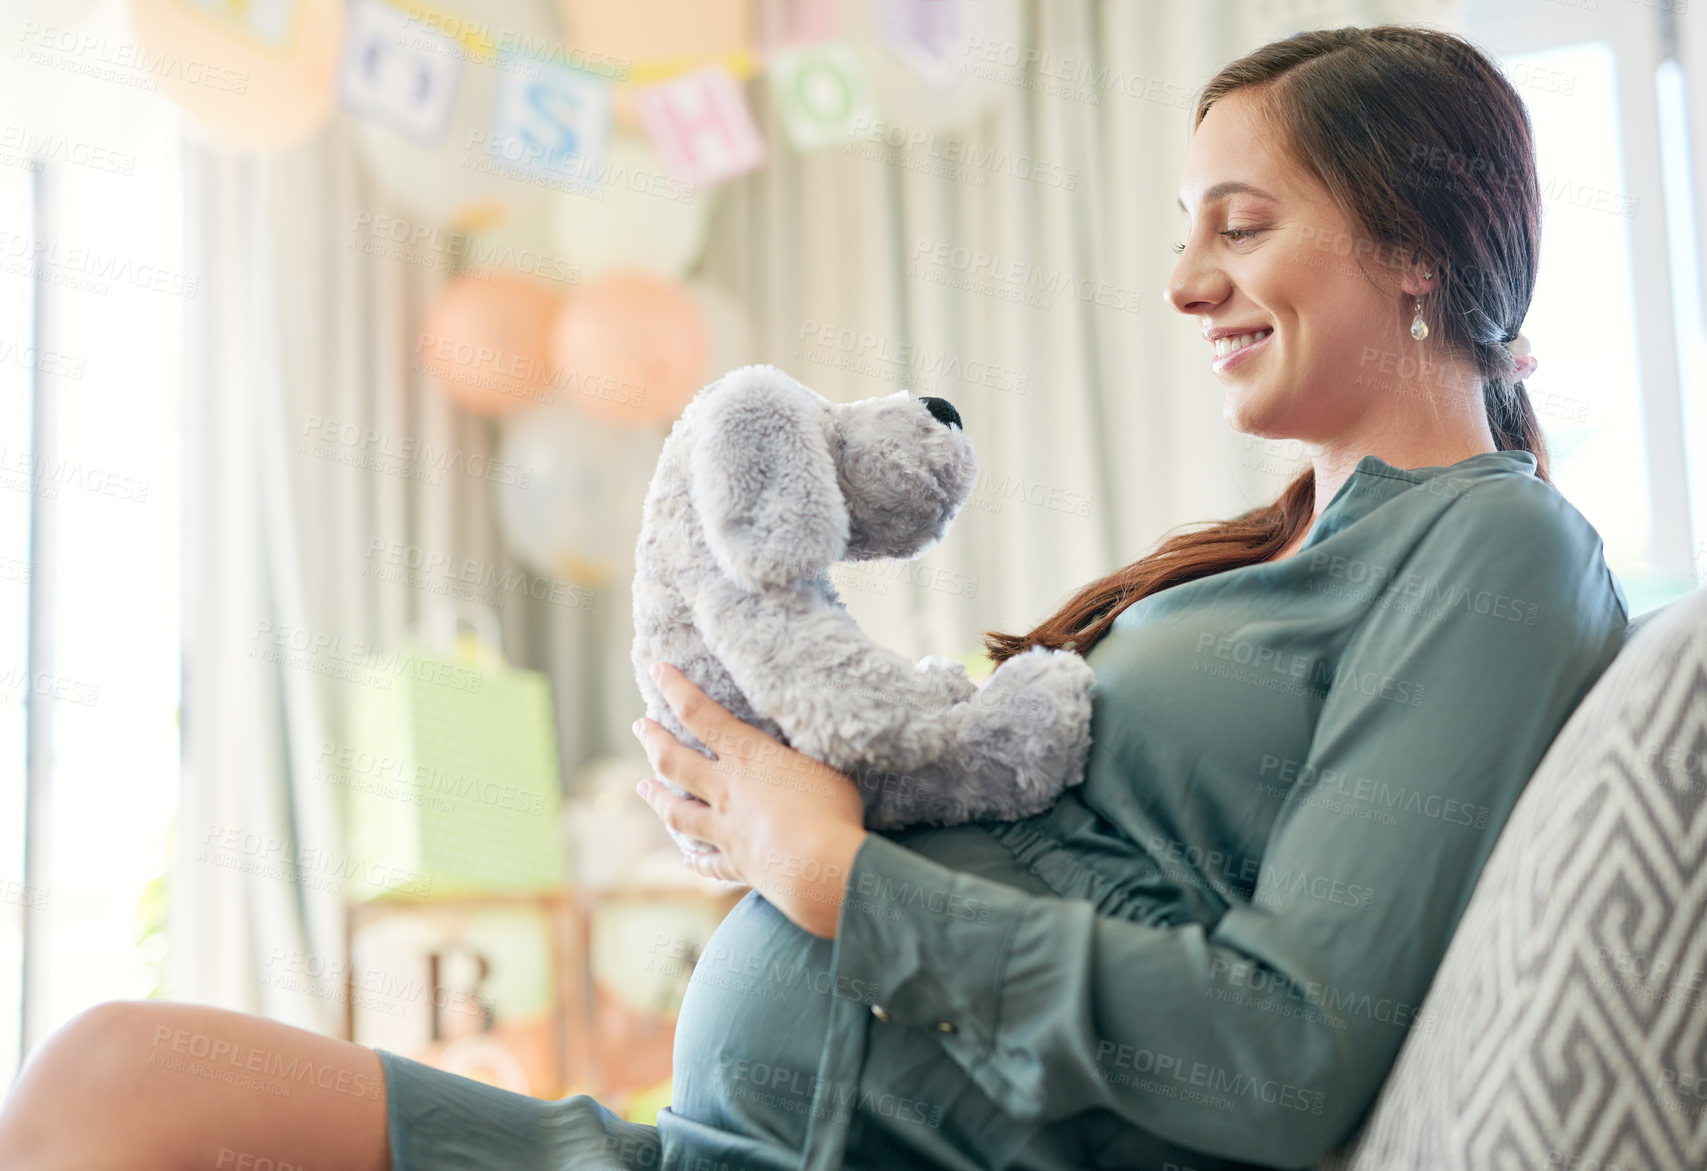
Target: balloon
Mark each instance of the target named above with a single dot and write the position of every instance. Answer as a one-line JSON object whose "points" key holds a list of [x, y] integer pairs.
{"points": [[456, 181], [938, 89], [639, 217], [255, 75], [726, 317], [59, 105], [485, 341], [576, 515], [651, 33], [524, 244], [630, 348]]}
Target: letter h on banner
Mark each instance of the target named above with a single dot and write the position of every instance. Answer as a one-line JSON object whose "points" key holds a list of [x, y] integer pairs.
{"points": [[700, 125]]}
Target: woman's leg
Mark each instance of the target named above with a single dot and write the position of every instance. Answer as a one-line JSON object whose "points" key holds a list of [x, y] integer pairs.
{"points": [[159, 1086]]}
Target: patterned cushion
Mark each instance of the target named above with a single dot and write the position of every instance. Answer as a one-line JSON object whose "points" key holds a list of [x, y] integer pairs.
{"points": [[1571, 1005]]}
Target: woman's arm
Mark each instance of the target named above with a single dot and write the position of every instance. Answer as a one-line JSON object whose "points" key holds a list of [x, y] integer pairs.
{"points": [[783, 823], [1265, 1036]]}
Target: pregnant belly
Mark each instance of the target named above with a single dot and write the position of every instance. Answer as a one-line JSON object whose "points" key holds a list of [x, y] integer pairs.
{"points": [[752, 1022]]}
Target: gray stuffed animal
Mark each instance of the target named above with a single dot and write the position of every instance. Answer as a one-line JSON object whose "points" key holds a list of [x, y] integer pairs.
{"points": [[761, 486]]}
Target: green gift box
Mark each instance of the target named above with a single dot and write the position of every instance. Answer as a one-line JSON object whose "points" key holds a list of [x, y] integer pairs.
{"points": [[451, 776]]}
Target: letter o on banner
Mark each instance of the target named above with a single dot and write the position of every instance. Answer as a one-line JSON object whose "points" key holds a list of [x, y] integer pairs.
{"points": [[822, 94]]}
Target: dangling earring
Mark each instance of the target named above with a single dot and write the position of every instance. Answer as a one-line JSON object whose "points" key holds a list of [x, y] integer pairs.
{"points": [[1419, 327]]}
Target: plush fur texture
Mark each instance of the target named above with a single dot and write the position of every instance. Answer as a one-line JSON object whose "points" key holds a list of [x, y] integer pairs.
{"points": [[762, 485]]}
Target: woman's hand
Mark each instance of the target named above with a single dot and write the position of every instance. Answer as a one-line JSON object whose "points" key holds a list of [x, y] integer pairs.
{"points": [[783, 823]]}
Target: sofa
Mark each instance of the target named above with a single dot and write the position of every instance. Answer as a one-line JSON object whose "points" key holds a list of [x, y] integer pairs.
{"points": [[1569, 1013]]}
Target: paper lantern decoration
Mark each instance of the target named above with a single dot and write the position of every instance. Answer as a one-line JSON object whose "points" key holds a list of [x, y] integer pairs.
{"points": [[54, 103], [726, 318], [701, 125], [630, 348], [640, 216], [576, 517], [822, 93], [642, 42], [921, 56], [462, 180], [485, 341], [266, 69]]}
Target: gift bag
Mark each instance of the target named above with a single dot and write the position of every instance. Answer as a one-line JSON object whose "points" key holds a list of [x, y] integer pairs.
{"points": [[453, 775]]}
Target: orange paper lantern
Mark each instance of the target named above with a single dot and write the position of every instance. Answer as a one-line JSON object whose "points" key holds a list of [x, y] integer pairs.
{"points": [[260, 79], [648, 41], [631, 348], [485, 342]]}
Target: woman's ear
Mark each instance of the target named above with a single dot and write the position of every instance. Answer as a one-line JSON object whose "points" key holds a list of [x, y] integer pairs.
{"points": [[763, 480]]}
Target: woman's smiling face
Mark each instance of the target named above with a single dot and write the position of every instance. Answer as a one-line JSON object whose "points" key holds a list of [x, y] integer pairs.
{"points": [[1267, 252]]}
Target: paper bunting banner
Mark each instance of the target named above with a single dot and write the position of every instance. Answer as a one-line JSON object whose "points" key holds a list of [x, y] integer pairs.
{"points": [[462, 181], [701, 126], [271, 23], [805, 22], [398, 74], [551, 120], [472, 121], [932, 36], [822, 93], [921, 63]]}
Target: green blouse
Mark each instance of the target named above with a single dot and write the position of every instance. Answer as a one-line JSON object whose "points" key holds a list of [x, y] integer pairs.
{"points": [[1209, 953]]}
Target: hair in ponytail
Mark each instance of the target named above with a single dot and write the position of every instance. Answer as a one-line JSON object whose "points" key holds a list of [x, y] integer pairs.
{"points": [[1512, 419], [1426, 144]]}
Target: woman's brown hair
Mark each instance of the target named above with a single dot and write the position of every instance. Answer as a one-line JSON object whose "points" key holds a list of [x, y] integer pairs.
{"points": [[1423, 142]]}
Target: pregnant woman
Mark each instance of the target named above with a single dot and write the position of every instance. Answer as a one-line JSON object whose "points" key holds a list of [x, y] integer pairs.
{"points": [[1310, 723]]}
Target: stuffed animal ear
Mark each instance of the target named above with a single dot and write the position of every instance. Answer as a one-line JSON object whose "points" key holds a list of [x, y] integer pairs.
{"points": [[763, 480]]}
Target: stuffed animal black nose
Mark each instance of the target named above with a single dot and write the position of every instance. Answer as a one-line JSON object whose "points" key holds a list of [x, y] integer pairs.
{"points": [[943, 410]]}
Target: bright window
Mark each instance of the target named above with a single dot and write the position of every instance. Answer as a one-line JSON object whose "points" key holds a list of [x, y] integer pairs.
{"points": [[1616, 317], [15, 330], [110, 276], [1582, 321]]}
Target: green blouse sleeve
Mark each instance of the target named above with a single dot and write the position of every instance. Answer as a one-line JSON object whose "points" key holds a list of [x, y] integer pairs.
{"points": [[1291, 1007]]}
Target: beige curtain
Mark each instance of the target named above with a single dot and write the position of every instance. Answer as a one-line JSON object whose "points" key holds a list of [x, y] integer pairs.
{"points": [[1097, 427]]}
